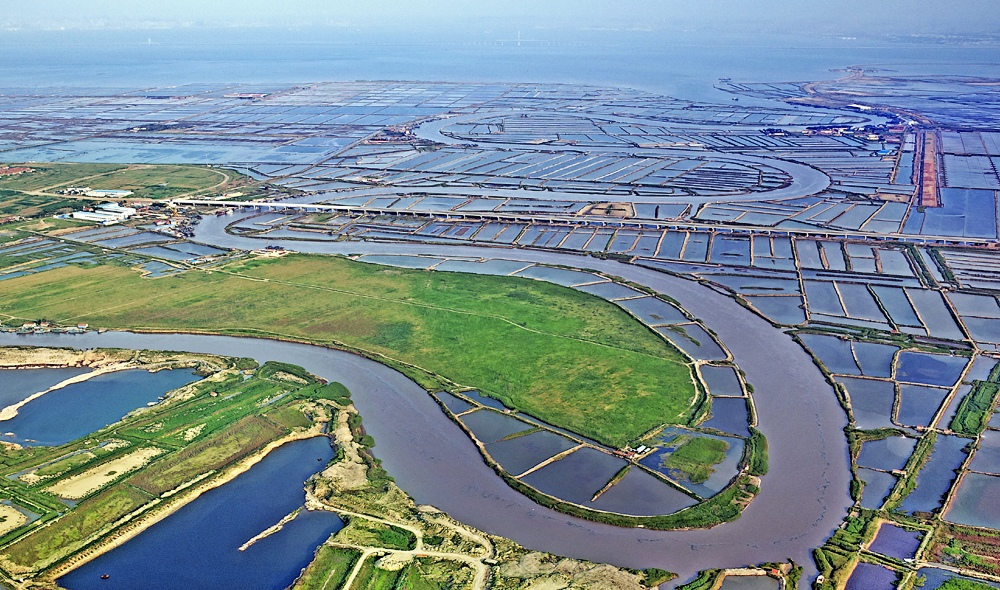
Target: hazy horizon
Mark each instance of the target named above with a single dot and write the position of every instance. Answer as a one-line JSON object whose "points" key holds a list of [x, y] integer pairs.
{"points": [[849, 17]]}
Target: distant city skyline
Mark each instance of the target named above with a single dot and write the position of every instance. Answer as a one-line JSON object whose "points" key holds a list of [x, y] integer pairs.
{"points": [[859, 17]]}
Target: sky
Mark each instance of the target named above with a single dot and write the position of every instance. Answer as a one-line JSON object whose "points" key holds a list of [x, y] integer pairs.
{"points": [[847, 17]]}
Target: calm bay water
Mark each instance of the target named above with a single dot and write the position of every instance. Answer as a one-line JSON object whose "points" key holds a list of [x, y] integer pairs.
{"points": [[684, 65], [197, 546]]}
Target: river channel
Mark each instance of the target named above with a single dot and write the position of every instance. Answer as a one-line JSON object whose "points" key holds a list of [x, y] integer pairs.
{"points": [[803, 497]]}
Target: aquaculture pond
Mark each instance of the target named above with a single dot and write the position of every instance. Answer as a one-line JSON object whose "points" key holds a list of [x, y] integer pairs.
{"points": [[489, 426], [871, 402], [610, 291], [653, 311], [559, 276], [197, 546], [714, 464], [784, 310], [877, 487], [918, 404], [835, 354], [936, 476], [576, 477], [867, 576], [896, 541], [488, 267], [695, 341], [875, 359], [886, 454], [419, 262], [721, 380], [642, 494], [987, 457], [521, 453], [78, 409], [729, 414], [930, 369], [975, 503], [454, 403], [750, 583]]}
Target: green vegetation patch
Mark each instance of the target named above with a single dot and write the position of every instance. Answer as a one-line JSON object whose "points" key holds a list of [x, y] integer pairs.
{"points": [[966, 547], [756, 453], [66, 533], [564, 356], [836, 558], [61, 466], [368, 533], [705, 580], [329, 569], [241, 440], [957, 584], [55, 175], [162, 182], [17, 203], [697, 456], [976, 408], [435, 574]]}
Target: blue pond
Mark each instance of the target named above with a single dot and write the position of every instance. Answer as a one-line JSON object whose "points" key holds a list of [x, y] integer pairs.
{"points": [[81, 408], [886, 454], [896, 542], [936, 476], [642, 494], [877, 487], [930, 369], [975, 502], [456, 404], [197, 547], [871, 402], [729, 414], [867, 576]]}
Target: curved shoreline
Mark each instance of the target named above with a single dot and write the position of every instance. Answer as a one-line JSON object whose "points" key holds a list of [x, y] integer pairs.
{"points": [[413, 431], [804, 496], [10, 412]]}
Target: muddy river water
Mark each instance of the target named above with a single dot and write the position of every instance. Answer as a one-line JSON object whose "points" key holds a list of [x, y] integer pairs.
{"points": [[803, 497]]}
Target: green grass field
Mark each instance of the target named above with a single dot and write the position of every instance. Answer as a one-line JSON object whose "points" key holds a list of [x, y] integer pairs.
{"points": [[144, 180], [563, 356], [329, 569], [55, 175], [160, 182], [697, 456], [66, 533]]}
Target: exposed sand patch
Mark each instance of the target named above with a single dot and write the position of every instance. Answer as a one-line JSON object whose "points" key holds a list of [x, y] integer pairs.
{"points": [[350, 473], [80, 485], [10, 519], [394, 562], [192, 433], [283, 376], [64, 463]]}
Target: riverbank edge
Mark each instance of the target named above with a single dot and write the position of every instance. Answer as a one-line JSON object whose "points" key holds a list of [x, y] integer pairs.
{"points": [[739, 493]]}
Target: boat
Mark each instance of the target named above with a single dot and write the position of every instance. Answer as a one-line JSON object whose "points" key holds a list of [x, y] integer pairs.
{"points": [[105, 576]]}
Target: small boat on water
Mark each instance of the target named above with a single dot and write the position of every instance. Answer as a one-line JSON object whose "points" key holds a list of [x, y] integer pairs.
{"points": [[105, 576]]}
